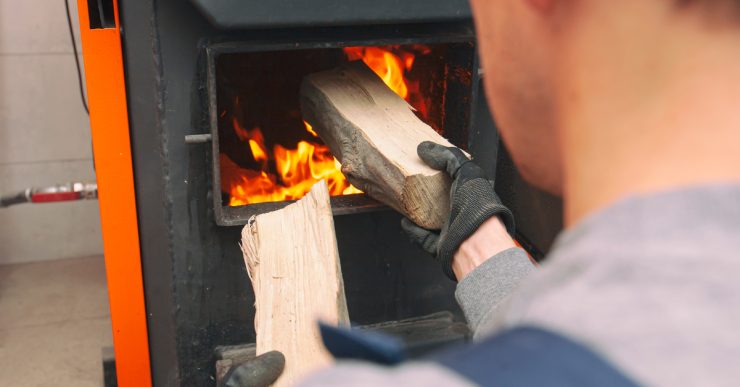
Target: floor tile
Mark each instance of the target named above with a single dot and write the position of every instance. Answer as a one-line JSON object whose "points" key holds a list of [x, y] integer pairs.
{"points": [[57, 354], [54, 322], [55, 291]]}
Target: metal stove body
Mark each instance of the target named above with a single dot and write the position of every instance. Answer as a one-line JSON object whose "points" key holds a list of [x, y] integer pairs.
{"points": [[196, 290]]}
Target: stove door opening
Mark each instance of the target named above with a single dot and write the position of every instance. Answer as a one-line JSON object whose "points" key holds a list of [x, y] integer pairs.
{"points": [[266, 155]]}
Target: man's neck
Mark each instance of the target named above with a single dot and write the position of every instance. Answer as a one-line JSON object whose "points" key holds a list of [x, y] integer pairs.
{"points": [[670, 121]]}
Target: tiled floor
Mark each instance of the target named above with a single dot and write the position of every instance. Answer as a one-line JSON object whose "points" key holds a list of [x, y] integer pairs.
{"points": [[54, 321]]}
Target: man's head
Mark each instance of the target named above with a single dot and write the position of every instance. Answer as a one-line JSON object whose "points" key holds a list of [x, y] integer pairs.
{"points": [[546, 61], [517, 64]]}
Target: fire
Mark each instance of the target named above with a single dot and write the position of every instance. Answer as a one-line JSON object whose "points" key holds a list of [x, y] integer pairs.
{"points": [[254, 137], [258, 150], [389, 66], [288, 174], [309, 129], [392, 64], [297, 170]]}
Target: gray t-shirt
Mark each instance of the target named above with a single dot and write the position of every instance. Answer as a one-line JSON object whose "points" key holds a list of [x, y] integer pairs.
{"points": [[648, 283]]}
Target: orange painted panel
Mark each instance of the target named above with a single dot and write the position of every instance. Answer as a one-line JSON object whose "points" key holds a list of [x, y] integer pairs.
{"points": [[106, 91]]}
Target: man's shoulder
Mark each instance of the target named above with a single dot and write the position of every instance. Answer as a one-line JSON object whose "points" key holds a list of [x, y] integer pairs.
{"points": [[649, 283]]}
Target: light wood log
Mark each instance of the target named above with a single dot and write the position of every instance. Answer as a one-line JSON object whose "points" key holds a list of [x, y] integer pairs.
{"points": [[374, 134], [292, 260]]}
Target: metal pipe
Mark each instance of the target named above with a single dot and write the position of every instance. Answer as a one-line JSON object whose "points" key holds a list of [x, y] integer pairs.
{"points": [[11, 199], [197, 138]]}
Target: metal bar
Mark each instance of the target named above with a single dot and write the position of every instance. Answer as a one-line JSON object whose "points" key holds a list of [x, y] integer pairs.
{"points": [[106, 92], [198, 138]]}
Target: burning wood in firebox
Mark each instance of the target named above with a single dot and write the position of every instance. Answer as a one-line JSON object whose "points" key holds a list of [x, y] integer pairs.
{"points": [[280, 155]]}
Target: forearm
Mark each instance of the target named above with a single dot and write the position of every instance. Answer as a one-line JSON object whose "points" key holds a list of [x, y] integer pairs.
{"points": [[490, 239], [489, 267], [483, 290]]}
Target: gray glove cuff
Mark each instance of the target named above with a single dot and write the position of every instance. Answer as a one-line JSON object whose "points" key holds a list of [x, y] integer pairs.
{"points": [[473, 203]]}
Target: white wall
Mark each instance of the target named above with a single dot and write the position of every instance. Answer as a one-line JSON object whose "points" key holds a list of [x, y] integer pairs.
{"points": [[44, 134]]}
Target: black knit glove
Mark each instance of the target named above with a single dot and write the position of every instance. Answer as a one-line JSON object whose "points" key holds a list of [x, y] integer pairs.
{"points": [[261, 371], [472, 202]]}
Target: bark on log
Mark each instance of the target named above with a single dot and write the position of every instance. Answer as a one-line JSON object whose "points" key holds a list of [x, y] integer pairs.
{"points": [[292, 260], [374, 134]]}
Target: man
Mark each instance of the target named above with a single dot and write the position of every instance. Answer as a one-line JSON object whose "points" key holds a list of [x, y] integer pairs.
{"points": [[630, 111]]}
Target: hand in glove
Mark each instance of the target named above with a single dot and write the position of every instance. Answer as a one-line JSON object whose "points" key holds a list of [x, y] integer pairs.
{"points": [[472, 202], [260, 371]]}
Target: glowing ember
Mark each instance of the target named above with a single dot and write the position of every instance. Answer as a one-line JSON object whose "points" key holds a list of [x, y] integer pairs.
{"points": [[309, 129]]}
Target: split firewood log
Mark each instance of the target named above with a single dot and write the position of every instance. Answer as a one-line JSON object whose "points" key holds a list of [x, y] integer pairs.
{"points": [[374, 134], [292, 259]]}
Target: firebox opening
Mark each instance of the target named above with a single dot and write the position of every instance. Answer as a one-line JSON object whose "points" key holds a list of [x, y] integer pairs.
{"points": [[268, 153]]}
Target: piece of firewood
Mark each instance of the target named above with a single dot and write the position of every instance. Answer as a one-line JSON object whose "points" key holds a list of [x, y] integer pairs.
{"points": [[374, 134], [292, 260]]}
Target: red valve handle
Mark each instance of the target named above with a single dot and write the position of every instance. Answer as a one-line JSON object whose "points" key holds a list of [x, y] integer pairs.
{"points": [[42, 197]]}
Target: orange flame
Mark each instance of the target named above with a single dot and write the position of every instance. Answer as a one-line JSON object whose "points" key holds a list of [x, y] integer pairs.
{"points": [[255, 138], [309, 129], [258, 150], [392, 64], [297, 171], [386, 64]]}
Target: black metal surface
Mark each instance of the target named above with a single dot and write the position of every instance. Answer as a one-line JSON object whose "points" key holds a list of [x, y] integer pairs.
{"points": [[197, 291], [100, 14], [146, 89], [420, 335], [232, 14], [109, 368], [340, 205], [425, 334]]}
